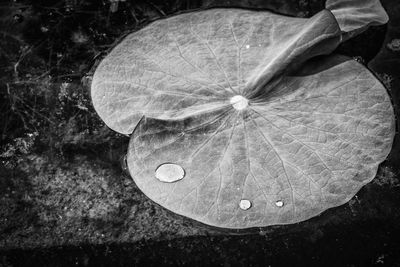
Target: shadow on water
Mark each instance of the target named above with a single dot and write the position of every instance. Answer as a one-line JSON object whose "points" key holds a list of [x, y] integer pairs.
{"points": [[354, 245], [358, 234]]}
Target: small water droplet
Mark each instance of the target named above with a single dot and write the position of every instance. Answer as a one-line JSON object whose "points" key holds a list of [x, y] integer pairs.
{"points": [[279, 203], [169, 172], [245, 204], [247, 46]]}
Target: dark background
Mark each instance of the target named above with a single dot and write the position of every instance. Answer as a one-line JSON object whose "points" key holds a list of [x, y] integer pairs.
{"points": [[65, 196]]}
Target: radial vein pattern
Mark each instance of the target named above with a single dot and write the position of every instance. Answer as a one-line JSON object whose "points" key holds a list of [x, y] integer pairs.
{"points": [[233, 98]]}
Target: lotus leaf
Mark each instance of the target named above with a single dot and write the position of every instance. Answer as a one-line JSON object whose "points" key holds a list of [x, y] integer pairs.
{"points": [[251, 111]]}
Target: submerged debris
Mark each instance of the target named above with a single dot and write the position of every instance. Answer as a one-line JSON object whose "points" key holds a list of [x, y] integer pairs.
{"points": [[394, 45], [386, 177]]}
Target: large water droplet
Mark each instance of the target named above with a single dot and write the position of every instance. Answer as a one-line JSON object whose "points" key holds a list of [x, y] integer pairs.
{"points": [[169, 172]]}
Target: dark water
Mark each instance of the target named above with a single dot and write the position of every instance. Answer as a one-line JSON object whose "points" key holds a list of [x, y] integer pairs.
{"points": [[48, 52], [349, 245]]}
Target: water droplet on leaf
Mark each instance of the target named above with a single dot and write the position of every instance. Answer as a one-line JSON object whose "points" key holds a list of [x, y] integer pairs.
{"points": [[169, 172], [245, 204]]}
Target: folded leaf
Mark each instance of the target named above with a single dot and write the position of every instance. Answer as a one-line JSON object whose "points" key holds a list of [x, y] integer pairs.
{"points": [[355, 16], [239, 118], [194, 62]]}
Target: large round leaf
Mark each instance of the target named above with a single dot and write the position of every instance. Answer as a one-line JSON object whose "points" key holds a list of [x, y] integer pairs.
{"points": [[257, 134], [181, 65]]}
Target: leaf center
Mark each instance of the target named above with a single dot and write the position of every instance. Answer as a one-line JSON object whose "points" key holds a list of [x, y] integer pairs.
{"points": [[239, 102]]}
